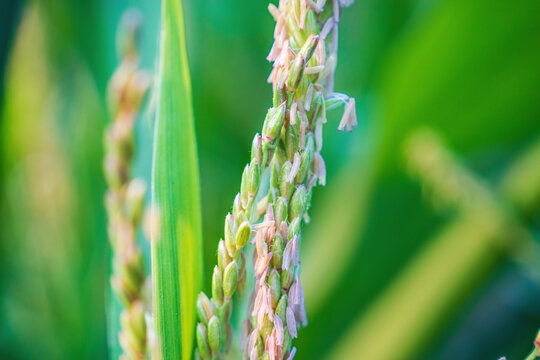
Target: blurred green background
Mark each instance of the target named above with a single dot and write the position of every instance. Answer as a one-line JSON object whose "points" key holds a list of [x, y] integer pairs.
{"points": [[424, 243]]}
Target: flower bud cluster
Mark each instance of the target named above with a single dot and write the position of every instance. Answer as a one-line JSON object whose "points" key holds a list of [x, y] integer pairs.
{"points": [[299, 54], [124, 202], [229, 275], [289, 146]]}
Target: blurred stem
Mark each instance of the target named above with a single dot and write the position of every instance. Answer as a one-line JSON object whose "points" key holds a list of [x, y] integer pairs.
{"points": [[330, 259], [452, 185], [422, 292], [429, 287], [519, 185]]}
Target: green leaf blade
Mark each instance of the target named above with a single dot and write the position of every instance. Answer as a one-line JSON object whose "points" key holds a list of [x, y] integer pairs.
{"points": [[177, 244]]}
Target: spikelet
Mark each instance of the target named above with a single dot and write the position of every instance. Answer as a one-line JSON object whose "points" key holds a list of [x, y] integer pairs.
{"points": [[125, 196]]}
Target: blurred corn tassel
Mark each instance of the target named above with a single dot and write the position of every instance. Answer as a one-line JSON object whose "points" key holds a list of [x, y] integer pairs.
{"points": [[125, 196], [304, 55]]}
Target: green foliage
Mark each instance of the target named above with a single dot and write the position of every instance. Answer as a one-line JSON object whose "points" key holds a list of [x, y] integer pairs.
{"points": [[53, 228]]}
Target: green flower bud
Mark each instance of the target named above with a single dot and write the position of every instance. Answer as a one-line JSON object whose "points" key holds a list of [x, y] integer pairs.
{"points": [[237, 206], [306, 158], [309, 47], [308, 202], [294, 228], [273, 123], [280, 155], [311, 22], [287, 278], [274, 283], [214, 335], [244, 187], [316, 107], [229, 234], [223, 257], [260, 346], [298, 203], [256, 148], [278, 96], [217, 286], [205, 309], [281, 309], [252, 213], [253, 178], [296, 72], [273, 193], [284, 128], [242, 235], [230, 278], [290, 141], [274, 174], [202, 342], [267, 326], [277, 251], [285, 187], [287, 342], [281, 210]]}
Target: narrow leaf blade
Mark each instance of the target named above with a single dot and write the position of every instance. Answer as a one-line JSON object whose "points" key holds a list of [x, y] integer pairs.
{"points": [[177, 241]]}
